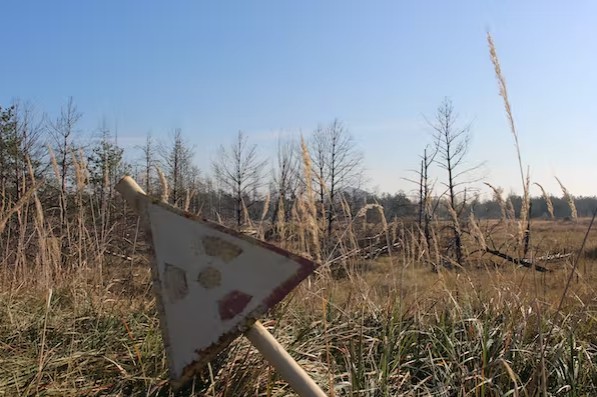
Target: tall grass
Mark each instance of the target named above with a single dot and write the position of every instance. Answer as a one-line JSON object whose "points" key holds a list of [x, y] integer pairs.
{"points": [[77, 318], [379, 327]]}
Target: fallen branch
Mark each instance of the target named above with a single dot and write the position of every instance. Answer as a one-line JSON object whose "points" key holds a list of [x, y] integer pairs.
{"points": [[126, 258], [378, 251], [522, 262], [554, 257]]}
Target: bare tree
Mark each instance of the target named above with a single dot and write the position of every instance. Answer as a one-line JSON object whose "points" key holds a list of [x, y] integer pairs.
{"points": [[319, 156], [425, 211], [338, 166], [426, 208], [28, 148], [209, 199], [177, 161], [103, 163], [8, 146], [62, 131], [238, 168], [148, 159], [194, 185], [285, 179], [452, 144]]}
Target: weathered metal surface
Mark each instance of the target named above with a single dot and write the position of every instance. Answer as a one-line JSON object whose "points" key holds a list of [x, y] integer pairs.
{"points": [[212, 283]]}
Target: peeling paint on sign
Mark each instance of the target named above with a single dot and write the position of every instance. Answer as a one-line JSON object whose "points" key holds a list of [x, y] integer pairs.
{"points": [[175, 282], [233, 304], [210, 277], [217, 247]]}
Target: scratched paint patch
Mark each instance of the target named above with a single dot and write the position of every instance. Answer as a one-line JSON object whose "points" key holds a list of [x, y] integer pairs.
{"points": [[219, 248], [175, 280], [209, 278], [232, 304]]}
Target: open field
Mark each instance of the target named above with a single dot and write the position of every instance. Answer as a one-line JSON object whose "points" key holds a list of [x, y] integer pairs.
{"points": [[385, 327], [435, 256], [412, 298]]}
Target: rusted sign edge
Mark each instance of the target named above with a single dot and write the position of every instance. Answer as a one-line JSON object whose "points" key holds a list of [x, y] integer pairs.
{"points": [[306, 267]]}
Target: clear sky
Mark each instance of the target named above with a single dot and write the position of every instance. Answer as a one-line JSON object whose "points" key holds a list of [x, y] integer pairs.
{"points": [[214, 68]]}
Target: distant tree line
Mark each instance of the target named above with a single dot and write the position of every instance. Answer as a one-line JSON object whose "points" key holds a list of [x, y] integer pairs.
{"points": [[75, 210], [490, 209], [235, 190], [236, 187]]}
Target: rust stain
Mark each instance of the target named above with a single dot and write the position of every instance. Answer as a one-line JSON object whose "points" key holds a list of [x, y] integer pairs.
{"points": [[233, 303], [207, 354], [219, 248], [210, 278], [175, 280]]}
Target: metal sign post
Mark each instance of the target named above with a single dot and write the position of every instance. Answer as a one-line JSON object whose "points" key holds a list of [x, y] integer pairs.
{"points": [[212, 284]]}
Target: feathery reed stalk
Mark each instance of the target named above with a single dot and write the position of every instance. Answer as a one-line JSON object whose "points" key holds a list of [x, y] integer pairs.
{"points": [[497, 196], [246, 216], [281, 221], [54, 163], [569, 200], [523, 222], [264, 212], [352, 237], [548, 201], [296, 220], [189, 194], [17, 206], [42, 346], [503, 91], [476, 231], [309, 201], [510, 209], [265, 209], [81, 178]]}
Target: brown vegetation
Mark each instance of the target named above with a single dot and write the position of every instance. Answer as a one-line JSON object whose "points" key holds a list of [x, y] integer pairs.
{"points": [[396, 307]]}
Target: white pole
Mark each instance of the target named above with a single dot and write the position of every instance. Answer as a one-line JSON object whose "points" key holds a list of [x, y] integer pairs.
{"points": [[284, 364], [132, 193]]}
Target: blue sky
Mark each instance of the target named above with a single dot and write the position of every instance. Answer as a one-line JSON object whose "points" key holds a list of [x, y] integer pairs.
{"points": [[214, 68]]}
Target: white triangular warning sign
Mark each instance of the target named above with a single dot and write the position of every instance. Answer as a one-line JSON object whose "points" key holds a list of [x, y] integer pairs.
{"points": [[212, 283]]}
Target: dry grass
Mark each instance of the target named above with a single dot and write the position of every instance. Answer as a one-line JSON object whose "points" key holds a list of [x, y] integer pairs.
{"points": [[387, 327], [78, 321], [467, 332], [75, 321]]}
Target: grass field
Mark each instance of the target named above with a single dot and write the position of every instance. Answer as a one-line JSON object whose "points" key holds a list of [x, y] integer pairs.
{"points": [[76, 320], [381, 328]]}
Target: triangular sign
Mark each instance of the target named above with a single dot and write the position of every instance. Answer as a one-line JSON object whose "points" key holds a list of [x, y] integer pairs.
{"points": [[212, 283]]}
